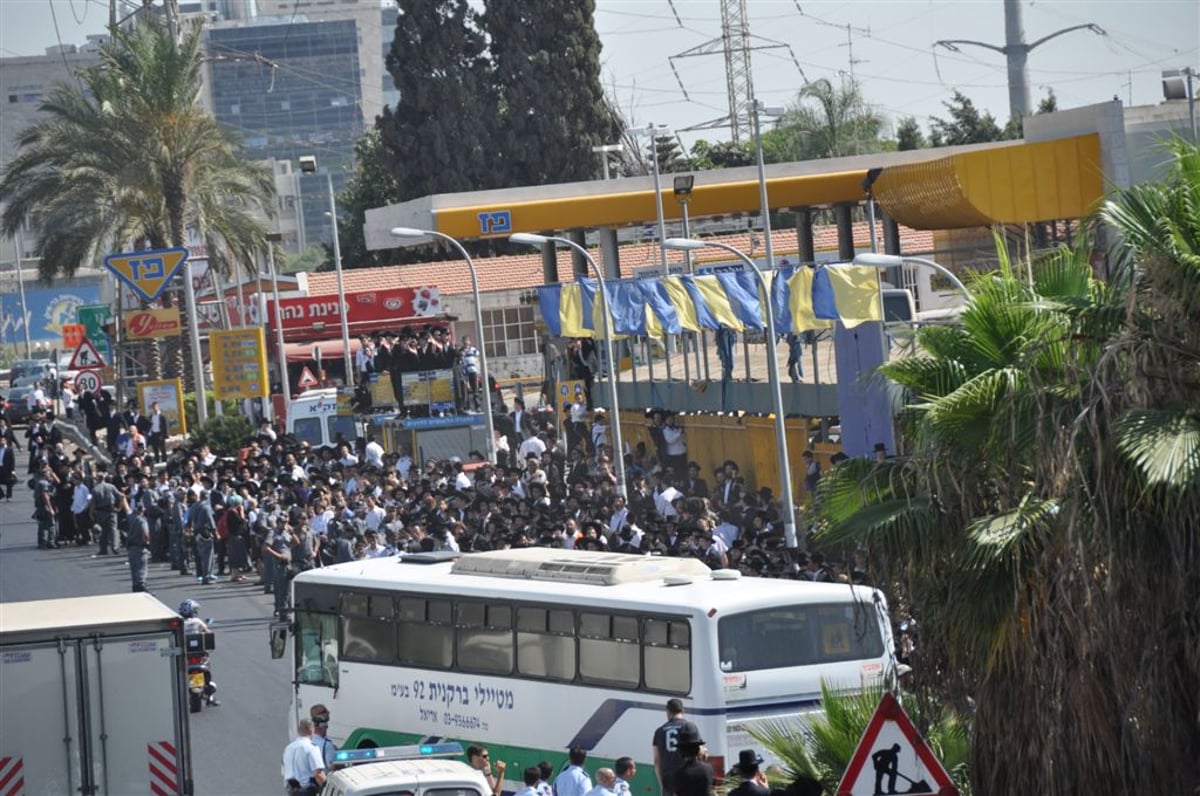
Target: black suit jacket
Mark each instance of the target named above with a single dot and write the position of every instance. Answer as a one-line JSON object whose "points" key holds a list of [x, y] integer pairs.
{"points": [[696, 488], [8, 464]]}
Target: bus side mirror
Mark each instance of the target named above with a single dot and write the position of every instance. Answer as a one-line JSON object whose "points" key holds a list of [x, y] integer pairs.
{"points": [[279, 631]]}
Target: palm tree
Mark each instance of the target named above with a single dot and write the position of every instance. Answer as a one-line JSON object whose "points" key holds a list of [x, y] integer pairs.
{"points": [[828, 121], [1043, 526], [125, 157]]}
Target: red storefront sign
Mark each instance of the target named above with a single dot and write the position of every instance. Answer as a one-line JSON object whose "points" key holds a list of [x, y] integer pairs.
{"points": [[366, 312]]}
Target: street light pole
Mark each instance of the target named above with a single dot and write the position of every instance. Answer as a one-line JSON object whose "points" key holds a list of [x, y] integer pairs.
{"points": [[308, 165], [650, 130], [21, 289], [414, 233], [885, 261], [281, 352], [781, 443], [618, 443]]}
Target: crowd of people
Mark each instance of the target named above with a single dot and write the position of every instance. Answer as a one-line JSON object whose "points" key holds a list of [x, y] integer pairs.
{"points": [[280, 506]]}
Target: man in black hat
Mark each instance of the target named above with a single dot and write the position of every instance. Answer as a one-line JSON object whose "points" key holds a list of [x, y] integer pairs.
{"points": [[753, 783], [694, 777]]}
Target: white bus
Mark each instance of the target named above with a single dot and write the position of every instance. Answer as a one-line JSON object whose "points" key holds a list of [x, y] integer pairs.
{"points": [[534, 651]]}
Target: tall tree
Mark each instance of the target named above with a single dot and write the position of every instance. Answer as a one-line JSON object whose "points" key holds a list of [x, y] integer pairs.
{"points": [[440, 136], [126, 157], [966, 125], [830, 121], [909, 135], [721, 155], [373, 185], [546, 59]]}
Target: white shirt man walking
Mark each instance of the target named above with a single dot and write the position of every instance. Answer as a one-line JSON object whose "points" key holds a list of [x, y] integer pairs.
{"points": [[303, 768]]}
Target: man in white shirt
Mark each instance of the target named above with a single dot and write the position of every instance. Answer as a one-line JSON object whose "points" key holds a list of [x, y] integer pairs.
{"points": [[303, 769], [462, 481], [404, 464], [347, 459], [606, 778], [376, 514], [664, 500], [573, 781], [534, 445], [373, 452]]}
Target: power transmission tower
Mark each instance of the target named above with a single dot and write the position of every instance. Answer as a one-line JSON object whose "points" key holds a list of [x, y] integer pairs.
{"points": [[735, 44], [1017, 52]]}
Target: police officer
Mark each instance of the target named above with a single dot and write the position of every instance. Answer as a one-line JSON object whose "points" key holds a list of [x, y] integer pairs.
{"points": [[137, 543], [303, 768], [277, 548], [320, 719], [106, 499]]}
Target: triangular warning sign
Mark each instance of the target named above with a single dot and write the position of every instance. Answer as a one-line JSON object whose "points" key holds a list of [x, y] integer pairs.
{"points": [[86, 357], [893, 758], [147, 272], [307, 379]]}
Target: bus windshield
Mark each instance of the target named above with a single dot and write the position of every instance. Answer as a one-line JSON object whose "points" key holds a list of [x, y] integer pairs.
{"points": [[316, 648], [798, 635]]}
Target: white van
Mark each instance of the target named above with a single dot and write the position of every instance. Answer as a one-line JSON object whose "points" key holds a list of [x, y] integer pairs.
{"points": [[412, 771], [314, 418]]}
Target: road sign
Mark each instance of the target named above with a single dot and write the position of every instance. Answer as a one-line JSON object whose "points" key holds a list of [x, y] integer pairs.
{"points": [[72, 335], [307, 379], [93, 318], [896, 752], [88, 381], [86, 357], [147, 272]]}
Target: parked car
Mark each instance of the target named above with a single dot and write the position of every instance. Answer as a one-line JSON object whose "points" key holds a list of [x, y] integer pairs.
{"points": [[39, 368], [17, 406]]}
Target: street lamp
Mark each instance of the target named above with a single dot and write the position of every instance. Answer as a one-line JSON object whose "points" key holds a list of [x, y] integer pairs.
{"points": [[604, 150], [885, 261], [281, 352], [652, 130], [781, 444], [410, 233], [759, 108], [308, 165], [531, 239]]}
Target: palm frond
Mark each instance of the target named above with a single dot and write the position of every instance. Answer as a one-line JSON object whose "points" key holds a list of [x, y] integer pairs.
{"points": [[1163, 444]]}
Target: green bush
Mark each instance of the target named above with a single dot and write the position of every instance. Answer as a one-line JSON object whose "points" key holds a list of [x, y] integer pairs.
{"points": [[225, 435], [189, 407]]}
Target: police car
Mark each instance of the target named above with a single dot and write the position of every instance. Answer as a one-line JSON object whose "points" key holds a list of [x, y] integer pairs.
{"points": [[418, 770]]}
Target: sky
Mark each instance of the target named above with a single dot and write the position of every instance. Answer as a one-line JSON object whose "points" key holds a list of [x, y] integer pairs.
{"points": [[895, 63]]}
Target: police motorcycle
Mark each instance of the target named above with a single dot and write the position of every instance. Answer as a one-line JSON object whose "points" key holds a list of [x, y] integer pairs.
{"points": [[199, 641]]}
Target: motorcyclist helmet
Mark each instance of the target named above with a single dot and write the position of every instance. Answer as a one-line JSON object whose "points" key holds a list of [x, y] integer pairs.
{"points": [[189, 609]]}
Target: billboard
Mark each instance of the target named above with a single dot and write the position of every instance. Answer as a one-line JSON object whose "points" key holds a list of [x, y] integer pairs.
{"points": [[239, 363], [49, 308]]}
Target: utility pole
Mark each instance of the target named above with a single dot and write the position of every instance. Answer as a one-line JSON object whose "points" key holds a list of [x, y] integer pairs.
{"points": [[1017, 52]]}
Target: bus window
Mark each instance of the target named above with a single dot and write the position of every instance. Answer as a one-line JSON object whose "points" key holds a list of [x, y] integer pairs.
{"points": [[667, 656], [546, 643], [798, 635], [426, 636], [608, 649], [485, 639], [308, 429], [368, 634], [316, 648]]}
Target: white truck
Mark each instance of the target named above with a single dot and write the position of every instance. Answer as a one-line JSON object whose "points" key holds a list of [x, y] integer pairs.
{"points": [[93, 697]]}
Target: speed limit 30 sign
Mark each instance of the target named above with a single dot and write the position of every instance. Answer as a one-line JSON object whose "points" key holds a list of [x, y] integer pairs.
{"points": [[88, 381]]}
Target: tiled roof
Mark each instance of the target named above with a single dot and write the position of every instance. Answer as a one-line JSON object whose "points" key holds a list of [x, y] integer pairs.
{"points": [[525, 270]]}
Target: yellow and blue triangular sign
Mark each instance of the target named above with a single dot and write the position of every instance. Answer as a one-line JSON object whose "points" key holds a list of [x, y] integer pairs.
{"points": [[148, 272]]}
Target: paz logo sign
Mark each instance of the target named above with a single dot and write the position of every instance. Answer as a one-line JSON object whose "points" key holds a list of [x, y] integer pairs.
{"points": [[149, 272]]}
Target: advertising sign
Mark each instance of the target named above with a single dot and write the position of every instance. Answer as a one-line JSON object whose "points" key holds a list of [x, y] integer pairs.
{"points": [[434, 388], [299, 314], [152, 324], [49, 309], [169, 396], [239, 363], [72, 335]]}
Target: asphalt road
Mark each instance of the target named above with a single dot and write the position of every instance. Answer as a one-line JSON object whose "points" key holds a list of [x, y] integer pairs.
{"points": [[236, 747]]}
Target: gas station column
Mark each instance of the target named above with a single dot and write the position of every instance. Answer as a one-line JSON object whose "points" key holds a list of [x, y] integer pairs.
{"points": [[843, 214], [579, 266], [804, 235], [610, 257]]}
